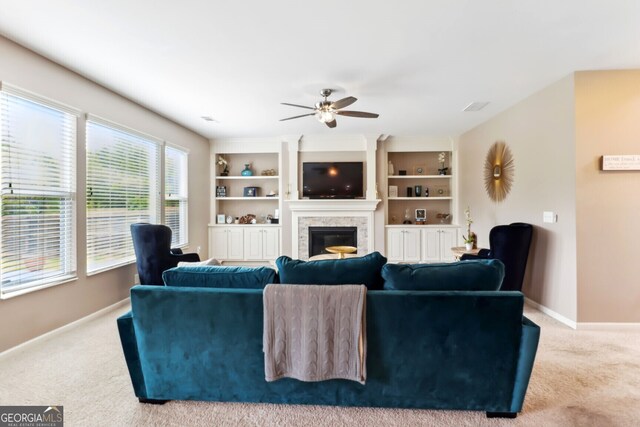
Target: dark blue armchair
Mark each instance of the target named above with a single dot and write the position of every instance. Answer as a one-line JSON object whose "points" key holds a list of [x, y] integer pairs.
{"points": [[510, 244], [152, 245]]}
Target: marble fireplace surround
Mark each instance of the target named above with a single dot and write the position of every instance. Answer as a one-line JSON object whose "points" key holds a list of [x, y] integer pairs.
{"points": [[331, 213]]}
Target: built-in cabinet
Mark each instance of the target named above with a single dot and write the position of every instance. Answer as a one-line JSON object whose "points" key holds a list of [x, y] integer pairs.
{"points": [[413, 244], [244, 243]]}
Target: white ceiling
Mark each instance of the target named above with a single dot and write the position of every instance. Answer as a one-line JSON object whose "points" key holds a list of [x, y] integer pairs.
{"points": [[417, 63]]}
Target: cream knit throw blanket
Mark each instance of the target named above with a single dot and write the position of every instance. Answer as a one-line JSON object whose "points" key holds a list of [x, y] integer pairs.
{"points": [[315, 332]]}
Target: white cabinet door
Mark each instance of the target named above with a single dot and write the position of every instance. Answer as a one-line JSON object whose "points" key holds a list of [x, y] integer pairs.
{"points": [[431, 245], [271, 243], [218, 246], [253, 244], [395, 244], [448, 239], [235, 243], [411, 245]]}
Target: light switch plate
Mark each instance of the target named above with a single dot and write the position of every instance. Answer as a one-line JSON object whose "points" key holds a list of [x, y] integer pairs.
{"points": [[549, 217]]}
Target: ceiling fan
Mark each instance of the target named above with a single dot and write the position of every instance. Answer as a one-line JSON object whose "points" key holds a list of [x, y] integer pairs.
{"points": [[326, 111]]}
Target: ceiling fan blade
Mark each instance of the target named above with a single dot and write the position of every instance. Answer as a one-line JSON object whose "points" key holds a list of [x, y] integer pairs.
{"points": [[296, 105], [344, 102], [358, 114], [332, 123], [297, 117]]}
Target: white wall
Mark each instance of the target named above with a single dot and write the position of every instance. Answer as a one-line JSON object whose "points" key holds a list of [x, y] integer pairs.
{"points": [[27, 316], [540, 132]]}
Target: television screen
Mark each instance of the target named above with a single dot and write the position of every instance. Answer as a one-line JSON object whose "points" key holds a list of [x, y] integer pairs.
{"points": [[339, 180]]}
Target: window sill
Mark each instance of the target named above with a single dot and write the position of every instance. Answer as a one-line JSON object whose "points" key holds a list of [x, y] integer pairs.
{"points": [[61, 281]]}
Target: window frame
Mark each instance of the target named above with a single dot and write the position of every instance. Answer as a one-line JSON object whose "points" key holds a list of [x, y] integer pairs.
{"points": [[180, 198], [70, 273], [157, 202]]}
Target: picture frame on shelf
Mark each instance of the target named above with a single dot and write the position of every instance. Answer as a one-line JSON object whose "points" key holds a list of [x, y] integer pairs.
{"points": [[440, 191], [221, 191], [421, 215], [420, 169], [250, 192], [221, 218], [393, 191]]}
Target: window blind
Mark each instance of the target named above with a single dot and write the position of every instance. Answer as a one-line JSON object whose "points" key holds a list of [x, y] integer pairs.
{"points": [[176, 195], [123, 180], [37, 202]]}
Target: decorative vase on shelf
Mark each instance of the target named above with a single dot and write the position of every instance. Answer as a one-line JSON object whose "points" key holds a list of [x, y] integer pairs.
{"points": [[391, 170], [247, 170], [468, 245]]}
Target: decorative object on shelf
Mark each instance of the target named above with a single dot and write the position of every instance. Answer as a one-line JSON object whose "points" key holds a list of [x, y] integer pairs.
{"points": [[221, 219], [247, 170], [426, 192], [247, 219], [445, 218], [419, 170], [418, 190], [223, 162], [440, 191], [251, 191], [393, 191], [407, 217], [442, 157], [269, 172], [409, 191], [402, 172], [498, 171], [390, 170], [237, 220], [229, 219], [470, 238], [421, 215], [394, 219], [272, 193], [221, 191]]}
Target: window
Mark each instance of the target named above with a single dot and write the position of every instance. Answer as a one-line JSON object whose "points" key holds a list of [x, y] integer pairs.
{"points": [[176, 197], [123, 185], [38, 192]]}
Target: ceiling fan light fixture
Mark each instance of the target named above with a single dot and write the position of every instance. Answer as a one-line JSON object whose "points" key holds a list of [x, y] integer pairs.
{"points": [[325, 116]]}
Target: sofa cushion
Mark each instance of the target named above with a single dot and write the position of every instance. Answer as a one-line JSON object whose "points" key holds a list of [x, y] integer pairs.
{"points": [[220, 277], [349, 271], [476, 275]]}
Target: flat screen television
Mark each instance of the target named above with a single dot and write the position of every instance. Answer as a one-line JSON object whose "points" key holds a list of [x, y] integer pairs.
{"points": [[337, 180]]}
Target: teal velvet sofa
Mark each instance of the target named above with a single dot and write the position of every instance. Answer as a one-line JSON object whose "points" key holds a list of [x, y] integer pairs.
{"points": [[434, 349]]}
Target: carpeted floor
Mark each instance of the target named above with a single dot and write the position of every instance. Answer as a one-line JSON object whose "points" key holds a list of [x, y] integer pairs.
{"points": [[581, 378]]}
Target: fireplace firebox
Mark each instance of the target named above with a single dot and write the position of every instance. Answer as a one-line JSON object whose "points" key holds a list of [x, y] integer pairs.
{"points": [[322, 237]]}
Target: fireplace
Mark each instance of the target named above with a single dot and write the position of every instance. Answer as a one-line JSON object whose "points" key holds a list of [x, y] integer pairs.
{"points": [[321, 237]]}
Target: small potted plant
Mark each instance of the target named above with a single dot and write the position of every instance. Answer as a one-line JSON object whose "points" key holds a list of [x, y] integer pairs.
{"points": [[470, 238]]}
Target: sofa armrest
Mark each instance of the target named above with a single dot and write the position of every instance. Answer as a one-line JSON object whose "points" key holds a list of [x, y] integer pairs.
{"points": [[528, 347], [482, 254], [131, 355], [176, 251], [193, 257]]}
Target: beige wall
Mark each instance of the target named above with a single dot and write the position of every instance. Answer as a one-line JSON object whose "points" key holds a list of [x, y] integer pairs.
{"points": [[27, 316], [607, 203], [540, 132]]}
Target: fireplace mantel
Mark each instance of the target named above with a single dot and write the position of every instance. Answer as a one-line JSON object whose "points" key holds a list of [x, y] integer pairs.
{"points": [[321, 205]]}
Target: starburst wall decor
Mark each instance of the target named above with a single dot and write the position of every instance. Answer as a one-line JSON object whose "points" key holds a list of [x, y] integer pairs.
{"points": [[498, 171]]}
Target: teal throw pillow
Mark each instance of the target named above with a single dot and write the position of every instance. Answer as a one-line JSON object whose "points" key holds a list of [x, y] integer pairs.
{"points": [[220, 277], [472, 275], [349, 271]]}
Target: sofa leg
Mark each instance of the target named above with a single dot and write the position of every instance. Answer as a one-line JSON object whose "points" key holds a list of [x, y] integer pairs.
{"points": [[152, 401], [502, 414]]}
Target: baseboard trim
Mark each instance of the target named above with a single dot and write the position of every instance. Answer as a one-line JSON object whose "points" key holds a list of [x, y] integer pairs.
{"points": [[608, 326], [546, 310], [63, 328]]}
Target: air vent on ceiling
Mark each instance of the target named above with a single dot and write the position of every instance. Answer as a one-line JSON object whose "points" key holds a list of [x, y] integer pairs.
{"points": [[475, 106]]}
